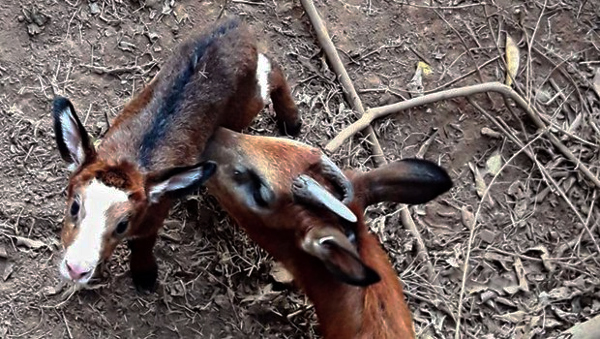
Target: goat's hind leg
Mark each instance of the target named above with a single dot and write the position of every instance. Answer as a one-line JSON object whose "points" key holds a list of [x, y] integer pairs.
{"points": [[286, 112]]}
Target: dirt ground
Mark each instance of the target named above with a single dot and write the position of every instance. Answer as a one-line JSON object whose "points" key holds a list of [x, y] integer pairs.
{"points": [[533, 267]]}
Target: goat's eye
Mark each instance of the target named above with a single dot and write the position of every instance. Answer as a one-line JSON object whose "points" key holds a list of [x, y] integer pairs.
{"points": [[239, 175], [74, 208], [122, 226]]}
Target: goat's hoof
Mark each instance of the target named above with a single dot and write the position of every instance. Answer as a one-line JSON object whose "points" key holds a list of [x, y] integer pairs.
{"points": [[292, 129], [145, 281]]}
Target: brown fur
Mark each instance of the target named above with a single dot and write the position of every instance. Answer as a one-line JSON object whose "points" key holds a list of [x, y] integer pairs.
{"points": [[344, 311], [222, 91]]}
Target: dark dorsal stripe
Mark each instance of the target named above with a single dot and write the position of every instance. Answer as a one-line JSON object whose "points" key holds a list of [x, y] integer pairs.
{"points": [[170, 104]]}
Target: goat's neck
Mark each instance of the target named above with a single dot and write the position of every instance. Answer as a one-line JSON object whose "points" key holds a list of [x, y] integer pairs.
{"points": [[345, 311]]}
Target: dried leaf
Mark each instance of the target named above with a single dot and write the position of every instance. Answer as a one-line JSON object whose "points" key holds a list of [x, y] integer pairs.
{"points": [[494, 164], [505, 301], [560, 293], [453, 262], [487, 236], [579, 282], [521, 208], [488, 295], [514, 317], [35, 244], [8, 269], [516, 189], [501, 259], [545, 256], [53, 290], [425, 68], [596, 81], [488, 132], [468, 219], [280, 274], [480, 185], [512, 289], [520, 270], [512, 60]]}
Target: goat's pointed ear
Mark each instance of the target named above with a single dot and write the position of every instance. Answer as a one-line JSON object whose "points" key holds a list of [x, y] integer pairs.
{"points": [[339, 255], [178, 181], [408, 181], [72, 139]]}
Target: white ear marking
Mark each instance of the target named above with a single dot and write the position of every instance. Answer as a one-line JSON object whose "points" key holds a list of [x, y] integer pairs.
{"points": [[176, 182]]}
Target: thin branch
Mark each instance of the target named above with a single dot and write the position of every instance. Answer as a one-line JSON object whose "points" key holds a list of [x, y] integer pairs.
{"points": [[379, 112], [474, 228], [340, 70]]}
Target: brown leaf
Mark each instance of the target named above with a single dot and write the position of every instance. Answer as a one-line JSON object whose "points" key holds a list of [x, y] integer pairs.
{"points": [[280, 274], [520, 270], [514, 317], [480, 185], [492, 256], [468, 219], [512, 60], [545, 256], [31, 243], [487, 235], [561, 293], [596, 81], [8, 270]]}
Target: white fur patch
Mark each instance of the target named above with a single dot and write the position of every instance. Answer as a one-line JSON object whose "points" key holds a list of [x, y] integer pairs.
{"points": [[262, 76], [84, 252]]}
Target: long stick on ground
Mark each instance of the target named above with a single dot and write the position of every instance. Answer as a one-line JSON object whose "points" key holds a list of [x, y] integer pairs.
{"points": [[378, 112], [340, 70], [354, 99]]}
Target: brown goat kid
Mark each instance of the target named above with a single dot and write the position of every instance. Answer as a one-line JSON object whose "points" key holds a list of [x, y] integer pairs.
{"points": [[279, 191], [124, 189]]}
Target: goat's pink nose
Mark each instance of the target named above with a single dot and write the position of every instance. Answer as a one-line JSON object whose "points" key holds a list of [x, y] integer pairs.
{"points": [[77, 272]]}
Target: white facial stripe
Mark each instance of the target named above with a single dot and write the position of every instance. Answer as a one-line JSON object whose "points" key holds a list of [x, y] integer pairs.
{"points": [[262, 76], [84, 252]]}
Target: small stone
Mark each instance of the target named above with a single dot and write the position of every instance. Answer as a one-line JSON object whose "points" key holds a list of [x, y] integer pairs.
{"points": [[490, 133], [38, 17], [33, 29], [487, 236], [21, 18], [94, 8]]}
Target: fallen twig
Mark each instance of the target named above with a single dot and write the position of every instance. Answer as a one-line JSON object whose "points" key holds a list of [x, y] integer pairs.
{"points": [[120, 70], [355, 101], [379, 112], [340, 70], [473, 229]]}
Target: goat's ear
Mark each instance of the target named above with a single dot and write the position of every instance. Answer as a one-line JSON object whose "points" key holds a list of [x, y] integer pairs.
{"points": [[339, 255], [409, 181], [72, 139], [178, 181]]}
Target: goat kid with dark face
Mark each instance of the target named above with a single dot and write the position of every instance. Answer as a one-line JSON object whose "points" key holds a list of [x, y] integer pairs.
{"points": [[296, 204], [123, 190]]}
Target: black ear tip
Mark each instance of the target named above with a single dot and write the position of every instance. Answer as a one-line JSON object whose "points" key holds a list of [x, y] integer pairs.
{"points": [[371, 277], [60, 103], [434, 174]]}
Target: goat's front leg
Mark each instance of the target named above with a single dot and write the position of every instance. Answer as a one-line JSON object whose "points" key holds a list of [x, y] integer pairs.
{"points": [[142, 263]]}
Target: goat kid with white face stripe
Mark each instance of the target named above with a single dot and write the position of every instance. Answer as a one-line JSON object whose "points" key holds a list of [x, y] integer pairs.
{"points": [[124, 189]]}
